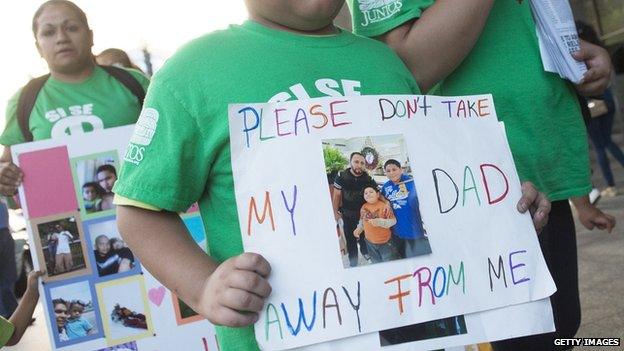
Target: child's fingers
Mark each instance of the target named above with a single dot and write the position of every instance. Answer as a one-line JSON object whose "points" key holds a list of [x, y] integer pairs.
{"points": [[241, 300], [253, 262], [249, 281], [228, 317]]}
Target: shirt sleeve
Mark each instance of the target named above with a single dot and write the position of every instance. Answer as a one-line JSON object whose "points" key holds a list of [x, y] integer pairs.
{"points": [[12, 133], [338, 181], [373, 18], [6, 331], [123, 201], [166, 164]]}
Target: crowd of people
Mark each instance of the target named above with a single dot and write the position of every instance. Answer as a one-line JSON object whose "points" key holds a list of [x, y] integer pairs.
{"points": [[437, 47]]}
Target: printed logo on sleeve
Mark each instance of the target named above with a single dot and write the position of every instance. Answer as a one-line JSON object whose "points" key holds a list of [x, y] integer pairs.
{"points": [[145, 127], [143, 134], [378, 10]]}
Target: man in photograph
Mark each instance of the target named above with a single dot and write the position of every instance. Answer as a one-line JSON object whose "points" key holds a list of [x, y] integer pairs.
{"points": [[110, 260], [347, 202], [106, 177]]}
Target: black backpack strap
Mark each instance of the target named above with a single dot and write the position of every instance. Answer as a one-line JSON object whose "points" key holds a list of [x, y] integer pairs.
{"points": [[26, 102], [128, 80]]}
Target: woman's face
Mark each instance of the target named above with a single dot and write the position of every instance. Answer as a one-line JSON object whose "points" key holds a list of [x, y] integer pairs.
{"points": [[63, 40], [60, 311]]}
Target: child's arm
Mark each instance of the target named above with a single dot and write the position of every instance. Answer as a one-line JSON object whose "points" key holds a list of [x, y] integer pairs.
{"points": [[383, 222], [228, 294], [433, 45], [23, 314], [359, 229]]}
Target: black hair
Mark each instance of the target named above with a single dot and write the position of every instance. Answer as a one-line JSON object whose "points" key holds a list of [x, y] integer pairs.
{"points": [[355, 153], [95, 185], [106, 167], [373, 187], [81, 15], [76, 303], [392, 162], [59, 301]]}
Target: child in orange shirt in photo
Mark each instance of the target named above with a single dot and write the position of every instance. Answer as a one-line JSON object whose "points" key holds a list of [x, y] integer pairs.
{"points": [[376, 218]]}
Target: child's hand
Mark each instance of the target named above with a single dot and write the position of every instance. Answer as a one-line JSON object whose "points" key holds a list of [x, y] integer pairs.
{"points": [[33, 279], [236, 290], [357, 232]]}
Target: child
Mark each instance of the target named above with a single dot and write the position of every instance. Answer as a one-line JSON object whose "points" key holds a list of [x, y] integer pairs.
{"points": [[288, 50], [180, 152], [400, 190], [92, 196], [376, 218], [77, 326], [12, 330]]}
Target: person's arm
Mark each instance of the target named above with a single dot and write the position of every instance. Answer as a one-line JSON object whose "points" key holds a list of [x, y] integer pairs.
{"points": [[10, 175], [230, 293], [599, 68], [336, 197], [124, 265], [590, 216], [436, 43], [23, 314]]}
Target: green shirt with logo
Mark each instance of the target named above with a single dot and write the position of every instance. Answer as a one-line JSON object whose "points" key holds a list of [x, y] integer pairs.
{"points": [[540, 110], [180, 151], [64, 109]]}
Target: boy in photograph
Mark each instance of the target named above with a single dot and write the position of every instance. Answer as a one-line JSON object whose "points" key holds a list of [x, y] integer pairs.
{"points": [[347, 201], [187, 158], [106, 177], [400, 190], [76, 325], [376, 218], [92, 197], [12, 330]]}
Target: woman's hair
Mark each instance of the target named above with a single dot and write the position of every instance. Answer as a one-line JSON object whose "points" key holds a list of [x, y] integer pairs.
{"points": [[81, 15]]}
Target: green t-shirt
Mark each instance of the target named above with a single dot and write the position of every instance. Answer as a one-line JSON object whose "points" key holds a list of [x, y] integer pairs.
{"points": [[6, 331], [100, 101], [180, 151], [541, 114]]}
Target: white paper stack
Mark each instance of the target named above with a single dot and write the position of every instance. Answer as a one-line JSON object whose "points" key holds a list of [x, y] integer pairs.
{"points": [[558, 38]]}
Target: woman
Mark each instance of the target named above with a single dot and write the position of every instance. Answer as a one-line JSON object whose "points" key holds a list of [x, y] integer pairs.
{"points": [[61, 314], [78, 97]]}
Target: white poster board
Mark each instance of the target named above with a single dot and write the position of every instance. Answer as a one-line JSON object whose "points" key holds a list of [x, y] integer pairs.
{"points": [[484, 254], [121, 309]]}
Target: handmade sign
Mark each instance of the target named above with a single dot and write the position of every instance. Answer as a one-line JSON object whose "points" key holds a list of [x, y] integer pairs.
{"points": [[96, 295], [429, 187]]}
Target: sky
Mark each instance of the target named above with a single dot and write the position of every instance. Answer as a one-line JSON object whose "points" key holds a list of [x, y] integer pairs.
{"points": [[161, 26]]}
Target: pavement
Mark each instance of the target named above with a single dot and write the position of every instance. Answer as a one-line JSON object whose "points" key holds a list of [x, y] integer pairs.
{"points": [[601, 282]]}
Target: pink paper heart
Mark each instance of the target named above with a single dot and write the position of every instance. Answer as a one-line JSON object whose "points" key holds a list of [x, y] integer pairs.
{"points": [[156, 295]]}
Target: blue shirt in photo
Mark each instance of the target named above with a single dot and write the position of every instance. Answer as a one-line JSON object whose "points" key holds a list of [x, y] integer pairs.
{"points": [[404, 202], [77, 328]]}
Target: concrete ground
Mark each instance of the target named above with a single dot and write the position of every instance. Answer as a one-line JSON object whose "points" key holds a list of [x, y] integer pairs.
{"points": [[601, 282]]}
